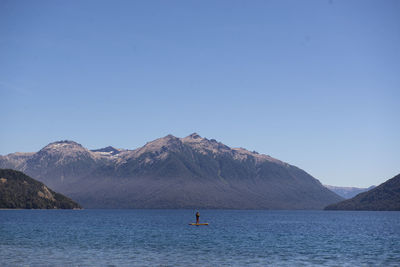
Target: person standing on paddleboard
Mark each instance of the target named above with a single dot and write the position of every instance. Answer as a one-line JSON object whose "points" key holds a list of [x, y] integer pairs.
{"points": [[197, 217]]}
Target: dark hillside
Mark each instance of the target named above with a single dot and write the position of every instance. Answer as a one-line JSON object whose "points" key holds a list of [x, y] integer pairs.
{"points": [[19, 191], [383, 197]]}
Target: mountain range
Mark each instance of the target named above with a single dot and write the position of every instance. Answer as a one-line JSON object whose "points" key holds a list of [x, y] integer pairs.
{"points": [[171, 172], [348, 192]]}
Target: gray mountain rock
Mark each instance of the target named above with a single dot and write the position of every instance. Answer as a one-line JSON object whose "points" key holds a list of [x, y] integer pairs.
{"points": [[171, 172]]}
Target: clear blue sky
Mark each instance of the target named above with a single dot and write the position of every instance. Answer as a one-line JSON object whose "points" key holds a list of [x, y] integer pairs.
{"points": [[313, 83]]}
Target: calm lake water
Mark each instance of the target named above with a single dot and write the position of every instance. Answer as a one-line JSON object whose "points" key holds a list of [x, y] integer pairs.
{"points": [[164, 238]]}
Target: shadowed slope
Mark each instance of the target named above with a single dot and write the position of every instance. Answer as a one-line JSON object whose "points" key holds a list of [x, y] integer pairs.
{"points": [[383, 197], [19, 191]]}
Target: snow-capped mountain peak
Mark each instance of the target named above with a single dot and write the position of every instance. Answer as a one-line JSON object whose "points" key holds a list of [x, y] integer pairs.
{"points": [[107, 151]]}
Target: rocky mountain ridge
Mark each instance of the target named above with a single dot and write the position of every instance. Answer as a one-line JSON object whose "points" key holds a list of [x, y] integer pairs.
{"points": [[172, 172]]}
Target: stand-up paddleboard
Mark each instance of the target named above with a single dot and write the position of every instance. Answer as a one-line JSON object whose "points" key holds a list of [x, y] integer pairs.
{"points": [[198, 224]]}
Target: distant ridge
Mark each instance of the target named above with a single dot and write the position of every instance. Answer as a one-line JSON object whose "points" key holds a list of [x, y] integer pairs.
{"points": [[172, 172], [19, 191], [348, 192], [383, 197]]}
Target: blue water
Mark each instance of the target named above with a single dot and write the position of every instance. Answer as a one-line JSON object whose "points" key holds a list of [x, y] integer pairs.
{"points": [[164, 238]]}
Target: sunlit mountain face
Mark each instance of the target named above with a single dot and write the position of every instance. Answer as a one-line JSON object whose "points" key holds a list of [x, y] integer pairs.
{"points": [[172, 172]]}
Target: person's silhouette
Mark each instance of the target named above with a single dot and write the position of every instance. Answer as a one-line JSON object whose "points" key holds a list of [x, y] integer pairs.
{"points": [[197, 217]]}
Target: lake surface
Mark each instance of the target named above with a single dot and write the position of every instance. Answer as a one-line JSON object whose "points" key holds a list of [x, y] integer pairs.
{"points": [[164, 238]]}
